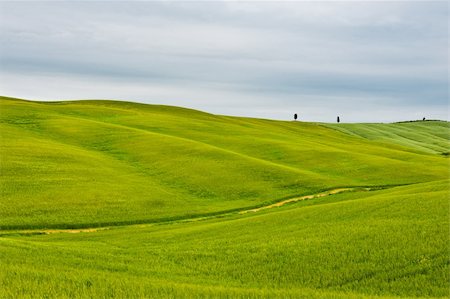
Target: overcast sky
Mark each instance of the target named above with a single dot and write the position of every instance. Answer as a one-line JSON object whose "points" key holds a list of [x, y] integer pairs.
{"points": [[363, 61]]}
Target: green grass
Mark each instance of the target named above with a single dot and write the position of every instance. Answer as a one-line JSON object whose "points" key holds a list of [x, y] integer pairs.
{"points": [[383, 243], [90, 163], [418, 136], [108, 163]]}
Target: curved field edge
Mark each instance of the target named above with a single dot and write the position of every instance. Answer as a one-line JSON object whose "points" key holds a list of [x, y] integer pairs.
{"points": [[94, 227], [84, 163]]}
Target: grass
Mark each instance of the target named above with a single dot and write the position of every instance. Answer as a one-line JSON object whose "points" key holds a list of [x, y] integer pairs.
{"points": [[108, 163], [90, 163], [382, 243], [418, 136]]}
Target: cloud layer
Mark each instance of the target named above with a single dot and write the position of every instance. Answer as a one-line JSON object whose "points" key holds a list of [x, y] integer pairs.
{"points": [[370, 61]]}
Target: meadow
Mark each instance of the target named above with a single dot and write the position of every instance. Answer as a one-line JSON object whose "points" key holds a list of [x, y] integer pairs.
{"points": [[166, 187]]}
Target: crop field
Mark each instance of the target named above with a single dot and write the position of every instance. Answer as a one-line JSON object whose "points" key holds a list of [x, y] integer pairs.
{"points": [[104, 199]]}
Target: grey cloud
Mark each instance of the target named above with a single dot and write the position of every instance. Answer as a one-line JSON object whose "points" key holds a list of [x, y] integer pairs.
{"points": [[235, 56]]}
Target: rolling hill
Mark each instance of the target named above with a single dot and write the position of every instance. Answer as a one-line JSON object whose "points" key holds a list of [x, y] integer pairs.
{"points": [[167, 188]]}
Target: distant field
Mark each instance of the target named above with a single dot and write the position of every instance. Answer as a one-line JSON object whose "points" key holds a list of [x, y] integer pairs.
{"points": [[418, 136], [168, 184]]}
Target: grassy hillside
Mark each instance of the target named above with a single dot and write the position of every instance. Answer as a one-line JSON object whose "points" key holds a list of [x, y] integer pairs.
{"points": [[419, 136], [166, 187], [89, 163], [385, 243]]}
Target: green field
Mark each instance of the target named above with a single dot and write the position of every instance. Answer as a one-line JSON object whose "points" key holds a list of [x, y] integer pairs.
{"points": [[105, 199]]}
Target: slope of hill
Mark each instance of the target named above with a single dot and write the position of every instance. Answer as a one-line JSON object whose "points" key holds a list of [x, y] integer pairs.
{"points": [[419, 136], [166, 188], [381, 244], [91, 163]]}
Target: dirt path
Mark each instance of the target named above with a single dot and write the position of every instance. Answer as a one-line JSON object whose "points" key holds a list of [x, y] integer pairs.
{"points": [[74, 231], [199, 218], [295, 199]]}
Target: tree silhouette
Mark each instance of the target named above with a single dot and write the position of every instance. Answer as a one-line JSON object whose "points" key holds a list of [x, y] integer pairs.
{"points": [[338, 120], [295, 116], [423, 119]]}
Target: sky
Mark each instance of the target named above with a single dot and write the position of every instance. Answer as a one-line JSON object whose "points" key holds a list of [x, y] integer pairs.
{"points": [[364, 61]]}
